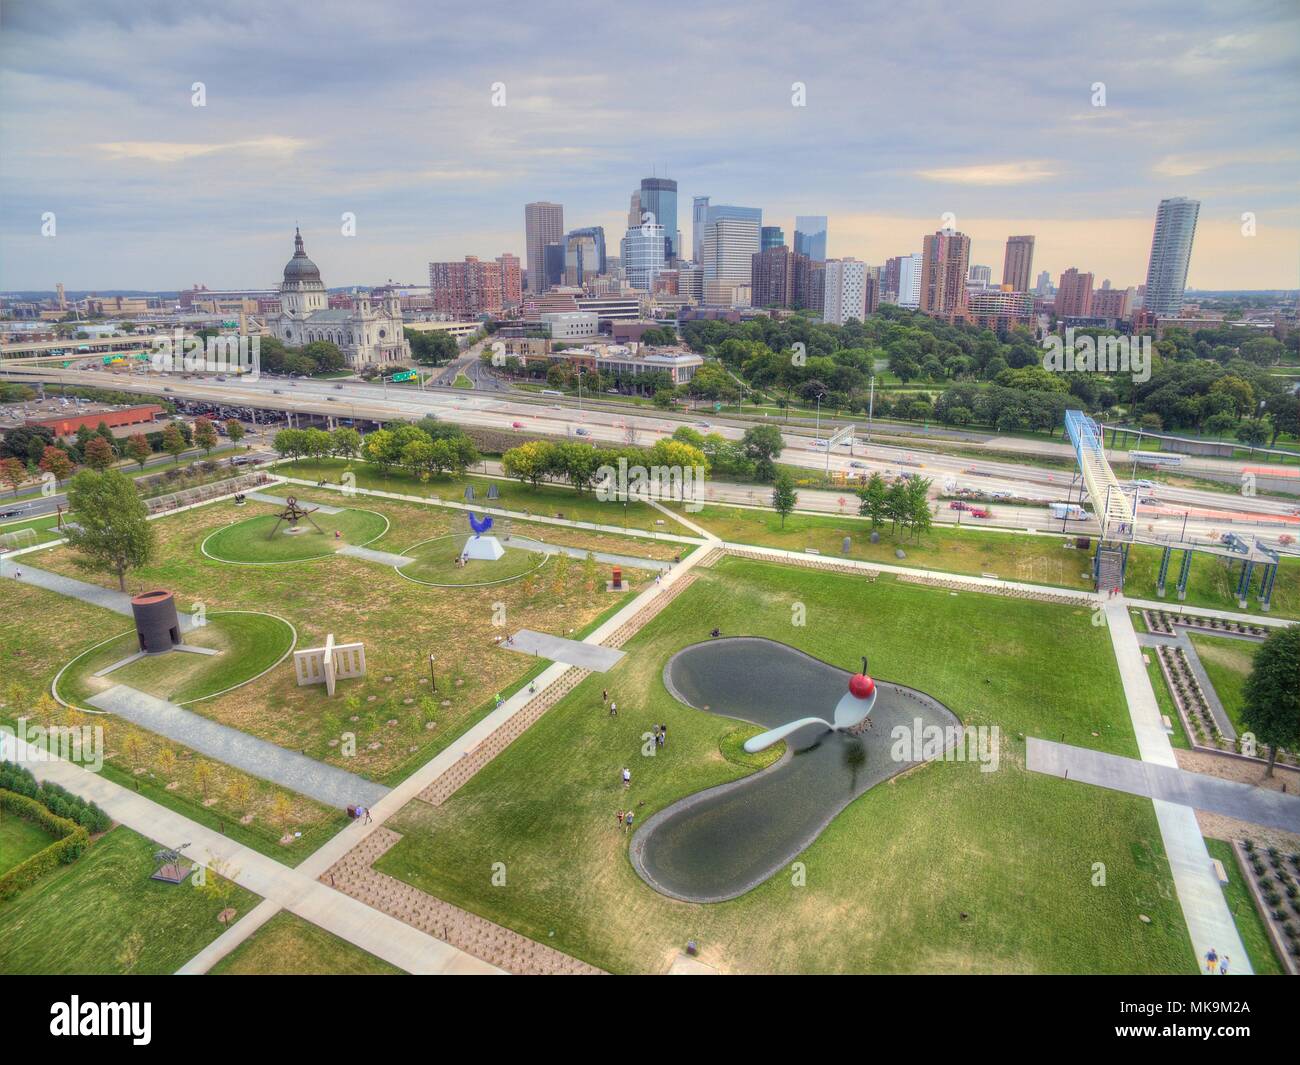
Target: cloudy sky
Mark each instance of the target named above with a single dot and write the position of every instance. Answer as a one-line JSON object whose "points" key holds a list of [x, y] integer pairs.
{"points": [[386, 110]]}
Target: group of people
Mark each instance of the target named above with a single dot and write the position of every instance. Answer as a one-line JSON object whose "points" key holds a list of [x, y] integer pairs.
{"points": [[625, 819], [1213, 961]]}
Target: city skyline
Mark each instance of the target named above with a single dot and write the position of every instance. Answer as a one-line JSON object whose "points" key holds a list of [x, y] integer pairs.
{"points": [[151, 192]]}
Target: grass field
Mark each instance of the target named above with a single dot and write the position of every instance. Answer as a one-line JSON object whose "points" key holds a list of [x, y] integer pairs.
{"points": [[1249, 923], [1228, 663], [945, 869], [287, 945], [251, 539], [19, 840], [247, 643], [435, 563], [1034, 559], [103, 915]]}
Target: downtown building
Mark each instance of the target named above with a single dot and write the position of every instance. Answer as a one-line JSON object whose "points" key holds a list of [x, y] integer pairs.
{"points": [[642, 253], [945, 259], [543, 225], [810, 236], [1171, 253], [470, 288], [1018, 263], [727, 256], [845, 292], [1001, 310], [1074, 295], [658, 199]]}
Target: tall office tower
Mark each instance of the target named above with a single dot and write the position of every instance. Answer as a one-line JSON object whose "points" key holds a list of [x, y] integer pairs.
{"points": [[810, 236], [699, 219], [980, 275], [659, 200], [543, 225], [809, 284], [584, 255], [944, 260], [845, 291], [1171, 252], [727, 254], [1044, 286], [511, 289], [1105, 285], [634, 210], [909, 280], [1017, 263], [889, 279], [643, 255], [552, 268], [466, 289], [1074, 296], [690, 282], [61, 296], [871, 290], [771, 237], [773, 277]]}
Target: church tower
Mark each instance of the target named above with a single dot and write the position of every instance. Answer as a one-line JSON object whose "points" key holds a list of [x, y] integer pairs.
{"points": [[302, 291]]}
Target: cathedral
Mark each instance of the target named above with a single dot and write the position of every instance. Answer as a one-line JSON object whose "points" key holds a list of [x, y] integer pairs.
{"points": [[369, 333]]}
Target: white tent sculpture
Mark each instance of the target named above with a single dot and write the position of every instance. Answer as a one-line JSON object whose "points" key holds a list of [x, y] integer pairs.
{"points": [[325, 665]]}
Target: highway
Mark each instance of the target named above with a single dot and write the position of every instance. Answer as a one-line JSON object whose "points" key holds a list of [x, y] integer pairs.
{"points": [[1198, 512]]}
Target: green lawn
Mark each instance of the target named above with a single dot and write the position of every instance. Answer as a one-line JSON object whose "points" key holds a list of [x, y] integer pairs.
{"points": [[103, 915], [435, 563], [546, 500], [248, 643], [289, 946], [462, 382], [1250, 926], [257, 539], [945, 869], [1166, 700], [19, 840], [1228, 663]]}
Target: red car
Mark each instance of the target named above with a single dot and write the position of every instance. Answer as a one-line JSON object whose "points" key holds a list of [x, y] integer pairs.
{"points": [[957, 504], [516, 425], [979, 512]]}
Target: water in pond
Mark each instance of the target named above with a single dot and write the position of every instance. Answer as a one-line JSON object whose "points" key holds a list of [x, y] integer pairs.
{"points": [[722, 842]]}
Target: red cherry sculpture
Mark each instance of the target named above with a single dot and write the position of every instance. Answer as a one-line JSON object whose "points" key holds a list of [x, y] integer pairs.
{"points": [[861, 686]]}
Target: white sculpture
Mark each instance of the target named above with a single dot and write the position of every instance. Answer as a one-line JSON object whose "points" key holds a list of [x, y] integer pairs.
{"points": [[325, 665]]}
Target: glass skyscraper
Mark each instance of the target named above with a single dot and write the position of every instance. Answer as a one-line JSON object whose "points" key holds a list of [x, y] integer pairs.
{"points": [[810, 236], [773, 237], [1171, 252], [659, 199]]}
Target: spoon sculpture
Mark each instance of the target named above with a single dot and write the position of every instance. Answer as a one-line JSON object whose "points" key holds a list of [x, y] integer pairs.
{"points": [[850, 711]]}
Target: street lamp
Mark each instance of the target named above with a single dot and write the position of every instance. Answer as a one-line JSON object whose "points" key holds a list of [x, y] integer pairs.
{"points": [[433, 677]]}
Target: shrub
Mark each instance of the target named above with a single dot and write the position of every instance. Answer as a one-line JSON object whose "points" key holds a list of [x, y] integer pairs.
{"points": [[70, 842]]}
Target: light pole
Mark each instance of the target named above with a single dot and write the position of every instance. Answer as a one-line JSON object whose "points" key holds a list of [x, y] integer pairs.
{"points": [[433, 677]]}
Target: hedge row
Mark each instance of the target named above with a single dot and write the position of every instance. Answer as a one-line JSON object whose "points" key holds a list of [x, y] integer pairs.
{"points": [[70, 841], [59, 801]]}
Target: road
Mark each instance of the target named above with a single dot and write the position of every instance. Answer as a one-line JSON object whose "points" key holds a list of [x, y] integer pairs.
{"points": [[1198, 512]]}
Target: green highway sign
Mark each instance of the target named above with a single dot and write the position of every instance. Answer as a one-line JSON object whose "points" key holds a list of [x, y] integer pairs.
{"points": [[404, 375]]}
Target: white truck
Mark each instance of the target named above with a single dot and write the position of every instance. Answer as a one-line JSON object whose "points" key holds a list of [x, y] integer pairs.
{"points": [[1068, 511]]}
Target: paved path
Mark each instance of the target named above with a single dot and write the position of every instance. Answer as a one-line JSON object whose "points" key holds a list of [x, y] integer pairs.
{"points": [[295, 890], [386, 558], [626, 561], [1209, 922], [108, 598], [1180, 640], [279, 501], [1244, 802], [575, 652], [325, 783]]}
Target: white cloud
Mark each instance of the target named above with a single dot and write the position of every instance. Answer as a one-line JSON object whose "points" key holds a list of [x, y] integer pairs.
{"points": [[177, 152], [1017, 173]]}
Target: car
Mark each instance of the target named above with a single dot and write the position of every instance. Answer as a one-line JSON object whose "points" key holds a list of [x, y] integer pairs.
{"points": [[583, 432], [979, 512], [1149, 501], [331, 399], [168, 388], [704, 425], [339, 387], [13, 512], [855, 464], [957, 504], [820, 443], [516, 425]]}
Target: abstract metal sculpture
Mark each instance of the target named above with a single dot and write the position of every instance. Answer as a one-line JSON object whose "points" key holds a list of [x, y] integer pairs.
{"points": [[292, 514]]}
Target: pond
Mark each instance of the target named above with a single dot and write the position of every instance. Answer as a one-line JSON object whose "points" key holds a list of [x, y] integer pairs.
{"points": [[722, 842]]}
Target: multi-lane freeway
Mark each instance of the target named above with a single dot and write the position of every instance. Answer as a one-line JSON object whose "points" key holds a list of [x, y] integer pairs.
{"points": [[1172, 512]]}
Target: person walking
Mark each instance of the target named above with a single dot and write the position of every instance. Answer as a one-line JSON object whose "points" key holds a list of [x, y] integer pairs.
{"points": [[627, 778], [604, 696], [368, 817], [1223, 966], [619, 816], [663, 735], [1211, 960], [627, 822], [613, 709]]}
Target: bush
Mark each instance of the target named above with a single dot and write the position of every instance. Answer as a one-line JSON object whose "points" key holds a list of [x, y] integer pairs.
{"points": [[70, 842]]}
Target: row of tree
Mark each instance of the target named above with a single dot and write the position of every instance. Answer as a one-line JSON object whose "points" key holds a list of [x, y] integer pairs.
{"points": [[426, 449], [577, 464]]}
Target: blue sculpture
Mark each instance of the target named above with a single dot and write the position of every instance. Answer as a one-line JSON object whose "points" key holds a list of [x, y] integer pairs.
{"points": [[480, 525]]}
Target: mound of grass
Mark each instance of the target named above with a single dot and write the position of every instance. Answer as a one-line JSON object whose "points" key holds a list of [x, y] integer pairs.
{"points": [[257, 539]]}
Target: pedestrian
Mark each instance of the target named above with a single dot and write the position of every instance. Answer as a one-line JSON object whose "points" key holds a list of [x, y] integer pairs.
{"points": [[627, 777], [627, 822], [368, 817], [613, 709], [604, 696], [659, 737], [1211, 960], [619, 817], [1223, 966], [663, 735]]}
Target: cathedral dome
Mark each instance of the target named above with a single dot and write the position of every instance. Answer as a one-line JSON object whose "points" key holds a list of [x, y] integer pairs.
{"points": [[300, 268]]}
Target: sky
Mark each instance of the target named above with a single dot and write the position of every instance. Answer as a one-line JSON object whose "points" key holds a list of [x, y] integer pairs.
{"points": [[1067, 122]]}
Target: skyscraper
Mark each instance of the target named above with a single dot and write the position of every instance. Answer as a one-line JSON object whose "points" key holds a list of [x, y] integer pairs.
{"points": [[699, 219], [634, 210], [1017, 263], [1074, 296], [511, 291], [543, 225], [810, 236], [659, 200], [1044, 286], [467, 288], [729, 245], [771, 237], [584, 255], [643, 255], [909, 280], [1171, 252], [845, 294], [773, 277], [944, 259], [980, 275]]}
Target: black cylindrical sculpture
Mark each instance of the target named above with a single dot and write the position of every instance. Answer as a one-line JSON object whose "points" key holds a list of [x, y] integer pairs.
{"points": [[156, 623]]}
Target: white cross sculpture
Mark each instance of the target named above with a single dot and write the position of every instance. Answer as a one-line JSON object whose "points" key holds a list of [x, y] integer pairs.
{"points": [[316, 665]]}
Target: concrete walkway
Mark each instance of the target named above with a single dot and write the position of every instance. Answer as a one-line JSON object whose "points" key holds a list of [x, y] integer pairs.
{"points": [[108, 598], [1209, 922], [1180, 640], [1259, 806], [325, 783], [295, 890], [575, 652], [386, 558], [279, 501], [626, 561]]}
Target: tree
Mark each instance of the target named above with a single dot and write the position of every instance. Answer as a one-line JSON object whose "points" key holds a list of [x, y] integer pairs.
{"points": [[1254, 431], [13, 473], [784, 497], [1271, 709], [205, 435], [762, 445], [55, 461], [173, 441], [235, 430], [918, 511], [99, 454], [528, 462], [137, 447], [346, 443], [873, 495], [112, 533]]}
